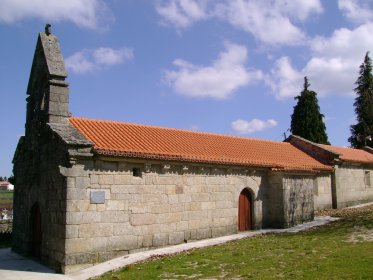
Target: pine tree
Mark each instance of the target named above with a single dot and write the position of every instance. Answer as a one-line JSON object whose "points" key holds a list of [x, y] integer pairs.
{"points": [[306, 120], [362, 132]]}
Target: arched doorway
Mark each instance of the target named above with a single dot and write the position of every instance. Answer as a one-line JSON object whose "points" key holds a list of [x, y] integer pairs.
{"points": [[36, 232], [244, 210]]}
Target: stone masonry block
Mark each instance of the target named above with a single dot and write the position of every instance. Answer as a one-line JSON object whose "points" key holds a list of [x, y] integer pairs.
{"points": [[173, 198], [176, 208], [203, 233], [185, 198], [128, 242], [114, 217], [125, 189], [76, 194], [106, 179], [193, 189], [147, 241], [215, 180], [196, 224], [72, 231], [160, 239], [73, 218], [221, 196], [95, 230], [70, 182], [194, 215], [160, 208], [167, 218], [125, 229], [165, 180], [86, 258], [85, 245], [224, 204], [208, 205], [82, 182], [151, 198], [142, 219], [90, 217], [163, 228], [195, 206], [94, 179], [182, 225], [200, 197], [118, 205], [77, 205], [139, 208], [175, 238], [122, 179], [224, 213]]}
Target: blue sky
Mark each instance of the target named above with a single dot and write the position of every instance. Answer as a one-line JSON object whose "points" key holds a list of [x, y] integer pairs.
{"points": [[222, 66]]}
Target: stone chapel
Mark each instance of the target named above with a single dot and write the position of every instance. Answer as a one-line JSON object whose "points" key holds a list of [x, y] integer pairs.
{"points": [[89, 190]]}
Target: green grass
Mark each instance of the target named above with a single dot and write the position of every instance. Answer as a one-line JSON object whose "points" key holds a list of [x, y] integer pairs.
{"points": [[6, 194], [340, 250], [6, 199]]}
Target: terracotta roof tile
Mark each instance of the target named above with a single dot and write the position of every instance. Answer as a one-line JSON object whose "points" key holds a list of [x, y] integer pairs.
{"points": [[351, 155], [151, 142]]}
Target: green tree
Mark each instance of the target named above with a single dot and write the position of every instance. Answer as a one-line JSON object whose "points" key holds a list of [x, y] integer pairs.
{"points": [[306, 120], [362, 132]]}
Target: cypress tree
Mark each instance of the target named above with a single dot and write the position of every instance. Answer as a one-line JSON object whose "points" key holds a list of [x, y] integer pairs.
{"points": [[306, 120], [362, 132]]}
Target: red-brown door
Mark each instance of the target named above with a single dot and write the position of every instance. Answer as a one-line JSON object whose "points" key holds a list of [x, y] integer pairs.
{"points": [[244, 210], [36, 231]]}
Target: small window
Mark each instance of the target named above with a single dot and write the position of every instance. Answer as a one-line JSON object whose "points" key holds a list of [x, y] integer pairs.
{"points": [[136, 172], [367, 178]]}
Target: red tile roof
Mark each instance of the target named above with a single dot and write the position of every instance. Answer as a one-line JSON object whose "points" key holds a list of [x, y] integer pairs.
{"points": [[151, 142], [351, 155]]}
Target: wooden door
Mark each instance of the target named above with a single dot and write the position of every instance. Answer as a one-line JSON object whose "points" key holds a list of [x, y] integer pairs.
{"points": [[244, 210], [36, 231]]}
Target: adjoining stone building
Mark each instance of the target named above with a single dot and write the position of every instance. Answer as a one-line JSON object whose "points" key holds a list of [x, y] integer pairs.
{"points": [[89, 190], [351, 181]]}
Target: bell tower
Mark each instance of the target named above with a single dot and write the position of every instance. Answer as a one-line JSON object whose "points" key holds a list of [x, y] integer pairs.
{"points": [[48, 93]]}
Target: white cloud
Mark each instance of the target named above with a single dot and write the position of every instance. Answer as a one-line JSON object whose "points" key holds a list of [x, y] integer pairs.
{"points": [[358, 11], [220, 80], [298, 9], [92, 14], [248, 127], [108, 56], [181, 13], [263, 20], [79, 63], [332, 68], [285, 80], [87, 61], [270, 21]]}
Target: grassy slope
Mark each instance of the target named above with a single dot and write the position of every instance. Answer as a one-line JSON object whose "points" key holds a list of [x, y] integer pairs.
{"points": [[341, 250]]}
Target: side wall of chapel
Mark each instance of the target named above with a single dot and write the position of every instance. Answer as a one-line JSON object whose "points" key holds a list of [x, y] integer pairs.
{"points": [[115, 208]]}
